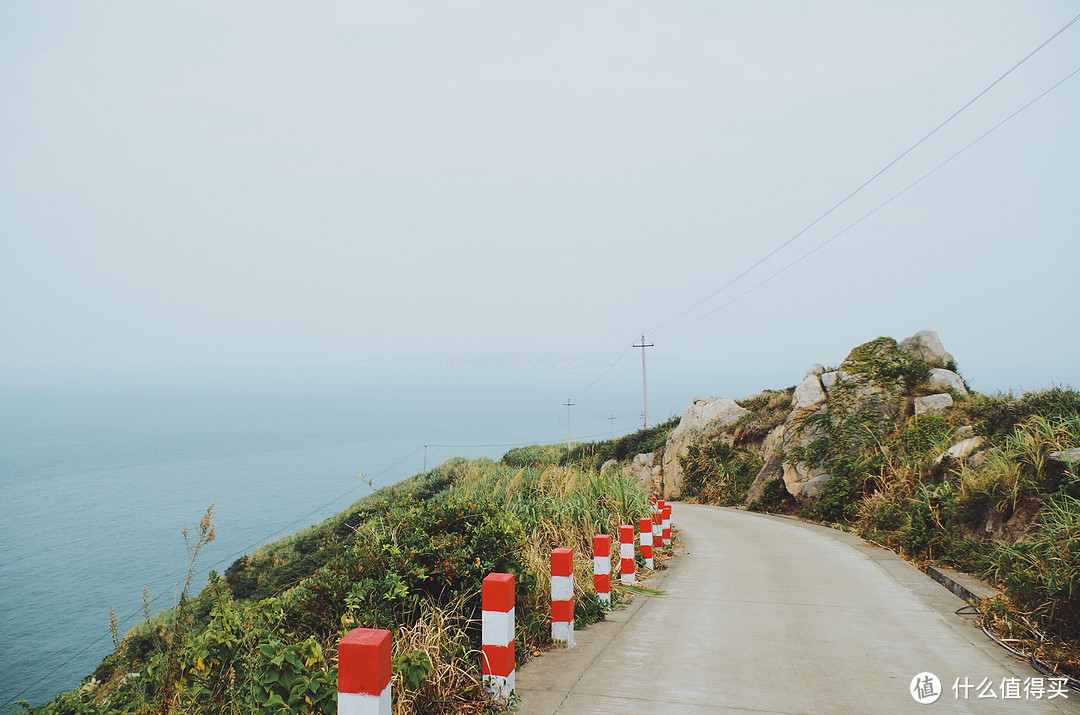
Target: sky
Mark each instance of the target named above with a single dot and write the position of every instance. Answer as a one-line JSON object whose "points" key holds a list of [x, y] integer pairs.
{"points": [[196, 189]]}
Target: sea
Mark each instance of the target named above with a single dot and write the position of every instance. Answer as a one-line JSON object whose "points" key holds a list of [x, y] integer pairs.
{"points": [[97, 481]]}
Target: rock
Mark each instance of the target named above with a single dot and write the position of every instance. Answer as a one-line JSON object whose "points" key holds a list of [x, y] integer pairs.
{"points": [[811, 491], [701, 418], [926, 346], [962, 449], [963, 433], [828, 379], [607, 465], [1068, 457], [942, 379], [773, 468], [933, 404], [808, 393], [1060, 463], [798, 434], [1008, 525], [815, 369], [643, 467]]}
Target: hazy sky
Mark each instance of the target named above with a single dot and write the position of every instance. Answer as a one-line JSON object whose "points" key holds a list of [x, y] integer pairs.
{"points": [[192, 188]]}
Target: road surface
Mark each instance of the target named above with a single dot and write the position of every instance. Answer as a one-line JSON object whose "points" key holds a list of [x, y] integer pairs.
{"points": [[770, 615]]}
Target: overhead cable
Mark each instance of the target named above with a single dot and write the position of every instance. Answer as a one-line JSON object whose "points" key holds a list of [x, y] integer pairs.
{"points": [[844, 200], [872, 211]]}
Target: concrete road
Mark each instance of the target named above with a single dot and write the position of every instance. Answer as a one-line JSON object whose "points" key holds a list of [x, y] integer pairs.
{"points": [[766, 614]]}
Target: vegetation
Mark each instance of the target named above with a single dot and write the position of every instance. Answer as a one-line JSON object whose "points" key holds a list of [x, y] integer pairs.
{"points": [[410, 558], [592, 455]]}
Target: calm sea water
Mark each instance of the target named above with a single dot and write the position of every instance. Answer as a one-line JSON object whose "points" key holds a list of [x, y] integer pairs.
{"points": [[95, 485]]}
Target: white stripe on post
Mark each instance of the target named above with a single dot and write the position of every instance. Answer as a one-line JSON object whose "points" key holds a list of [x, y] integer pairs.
{"points": [[497, 632], [602, 567], [364, 672], [667, 525], [562, 596], [627, 568], [645, 530]]}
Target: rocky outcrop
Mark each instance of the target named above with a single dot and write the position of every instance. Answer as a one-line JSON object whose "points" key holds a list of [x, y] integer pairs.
{"points": [[644, 468], [773, 456], [699, 419], [933, 404], [925, 345], [836, 413], [800, 432]]}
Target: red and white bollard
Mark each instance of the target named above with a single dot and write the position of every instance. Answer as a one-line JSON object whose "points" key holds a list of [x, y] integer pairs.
{"points": [[627, 568], [497, 633], [657, 529], [562, 596], [364, 672], [602, 567], [667, 525], [645, 533]]}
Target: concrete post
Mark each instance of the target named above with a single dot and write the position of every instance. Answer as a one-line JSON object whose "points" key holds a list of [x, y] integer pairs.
{"points": [[497, 633], [364, 672]]}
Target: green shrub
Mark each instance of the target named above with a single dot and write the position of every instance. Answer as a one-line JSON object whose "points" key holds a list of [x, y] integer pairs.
{"points": [[716, 472], [1042, 572]]}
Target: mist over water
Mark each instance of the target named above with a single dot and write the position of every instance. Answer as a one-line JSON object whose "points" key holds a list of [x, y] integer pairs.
{"points": [[96, 483]]}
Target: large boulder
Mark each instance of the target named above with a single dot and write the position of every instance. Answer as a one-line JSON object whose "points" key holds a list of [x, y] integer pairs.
{"points": [[926, 346], [933, 404], [809, 392], [703, 417], [946, 380]]}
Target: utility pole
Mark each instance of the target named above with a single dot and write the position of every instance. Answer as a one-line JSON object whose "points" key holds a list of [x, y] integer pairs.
{"points": [[425, 459], [644, 380], [612, 418], [569, 404]]}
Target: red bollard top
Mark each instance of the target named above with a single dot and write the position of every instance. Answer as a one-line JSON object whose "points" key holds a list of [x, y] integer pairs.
{"points": [[497, 593], [601, 545], [364, 661], [562, 562], [626, 534], [645, 526]]}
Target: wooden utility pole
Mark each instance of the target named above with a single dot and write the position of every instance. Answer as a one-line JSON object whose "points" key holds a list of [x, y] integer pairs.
{"points": [[644, 379], [569, 404]]}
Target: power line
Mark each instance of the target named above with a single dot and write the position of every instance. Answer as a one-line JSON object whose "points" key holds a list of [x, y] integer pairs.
{"points": [[874, 210], [605, 372], [844, 200]]}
